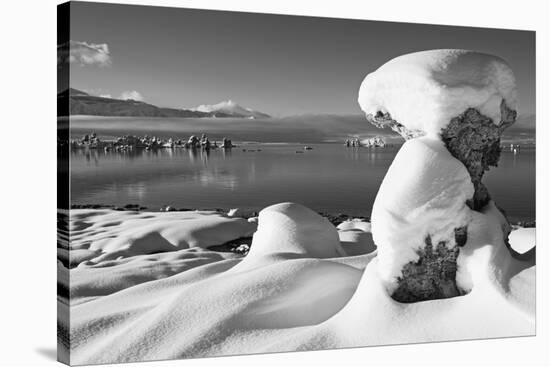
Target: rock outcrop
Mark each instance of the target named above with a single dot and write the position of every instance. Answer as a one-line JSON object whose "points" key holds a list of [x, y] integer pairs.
{"points": [[451, 106], [474, 139], [376, 142]]}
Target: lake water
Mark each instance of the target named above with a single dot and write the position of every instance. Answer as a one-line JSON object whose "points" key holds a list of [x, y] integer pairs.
{"points": [[330, 178]]}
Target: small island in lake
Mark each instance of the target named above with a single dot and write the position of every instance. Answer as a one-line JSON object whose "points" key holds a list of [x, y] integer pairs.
{"points": [[131, 142]]}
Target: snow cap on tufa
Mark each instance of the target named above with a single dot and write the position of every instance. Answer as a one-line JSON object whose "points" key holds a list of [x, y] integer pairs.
{"points": [[419, 93]]}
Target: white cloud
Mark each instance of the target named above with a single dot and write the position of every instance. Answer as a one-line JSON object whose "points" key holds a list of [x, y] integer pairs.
{"points": [[105, 96], [131, 94], [84, 53]]}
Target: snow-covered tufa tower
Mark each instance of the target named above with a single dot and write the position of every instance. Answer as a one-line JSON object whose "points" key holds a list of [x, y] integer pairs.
{"points": [[452, 107]]}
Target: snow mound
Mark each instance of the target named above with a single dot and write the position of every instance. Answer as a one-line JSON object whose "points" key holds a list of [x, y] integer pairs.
{"points": [[290, 228], [356, 242], [101, 235], [433, 202], [358, 224], [424, 90], [522, 240], [356, 237], [209, 311]]}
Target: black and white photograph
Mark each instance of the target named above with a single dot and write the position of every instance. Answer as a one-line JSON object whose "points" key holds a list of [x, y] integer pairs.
{"points": [[234, 183]]}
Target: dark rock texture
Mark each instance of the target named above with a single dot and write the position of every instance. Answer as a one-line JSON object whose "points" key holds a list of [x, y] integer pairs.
{"points": [[471, 137], [461, 236], [474, 139], [433, 275]]}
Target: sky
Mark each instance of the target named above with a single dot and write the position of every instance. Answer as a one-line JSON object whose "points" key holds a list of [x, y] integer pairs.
{"points": [[281, 65]]}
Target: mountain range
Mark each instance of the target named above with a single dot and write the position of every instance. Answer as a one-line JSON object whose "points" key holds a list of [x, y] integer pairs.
{"points": [[82, 103]]}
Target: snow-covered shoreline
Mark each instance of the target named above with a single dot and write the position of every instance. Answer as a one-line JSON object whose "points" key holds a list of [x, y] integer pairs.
{"points": [[144, 286]]}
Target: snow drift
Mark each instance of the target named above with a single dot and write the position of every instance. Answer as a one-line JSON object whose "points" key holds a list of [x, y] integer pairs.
{"points": [[194, 302], [133, 233]]}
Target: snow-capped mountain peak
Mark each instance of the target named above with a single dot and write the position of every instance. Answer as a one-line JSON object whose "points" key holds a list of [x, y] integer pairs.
{"points": [[231, 108]]}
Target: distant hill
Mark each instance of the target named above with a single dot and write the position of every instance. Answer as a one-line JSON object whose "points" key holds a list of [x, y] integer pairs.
{"points": [[230, 108], [82, 103]]}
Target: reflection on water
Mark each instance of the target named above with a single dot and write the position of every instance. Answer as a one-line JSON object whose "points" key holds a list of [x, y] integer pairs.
{"points": [[137, 191], [329, 178]]}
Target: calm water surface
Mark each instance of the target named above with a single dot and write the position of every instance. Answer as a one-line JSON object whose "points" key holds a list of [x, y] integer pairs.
{"points": [[328, 178]]}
